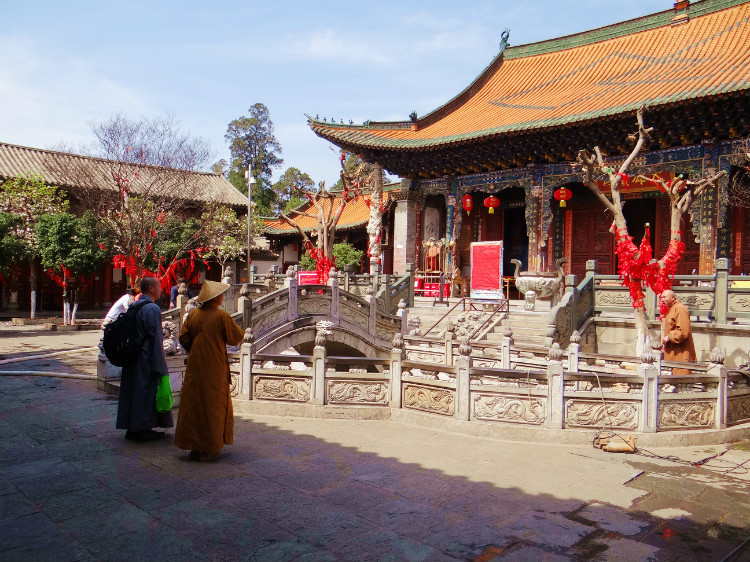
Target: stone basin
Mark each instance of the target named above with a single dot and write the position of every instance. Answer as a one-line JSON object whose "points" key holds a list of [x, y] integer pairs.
{"points": [[543, 284]]}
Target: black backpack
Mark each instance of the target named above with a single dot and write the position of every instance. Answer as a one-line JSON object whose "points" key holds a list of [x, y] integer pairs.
{"points": [[123, 340]]}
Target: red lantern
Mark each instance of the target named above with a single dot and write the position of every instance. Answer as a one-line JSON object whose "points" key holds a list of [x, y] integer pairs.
{"points": [[562, 195], [468, 203], [491, 202]]}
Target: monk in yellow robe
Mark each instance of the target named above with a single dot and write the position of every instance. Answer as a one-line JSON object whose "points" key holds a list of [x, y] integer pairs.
{"points": [[677, 336], [206, 419]]}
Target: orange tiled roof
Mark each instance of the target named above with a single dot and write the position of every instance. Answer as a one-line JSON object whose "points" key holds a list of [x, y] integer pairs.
{"points": [[582, 77], [356, 213]]}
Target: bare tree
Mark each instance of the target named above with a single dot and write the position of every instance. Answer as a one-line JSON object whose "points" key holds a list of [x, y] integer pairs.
{"points": [[635, 265], [140, 176], [328, 208]]}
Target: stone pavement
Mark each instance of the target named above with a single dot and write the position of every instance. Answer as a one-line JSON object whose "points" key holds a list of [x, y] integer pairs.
{"points": [[319, 489]]}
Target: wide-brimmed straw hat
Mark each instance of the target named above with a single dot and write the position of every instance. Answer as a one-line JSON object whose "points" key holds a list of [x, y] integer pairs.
{"points": [[211, 290]]}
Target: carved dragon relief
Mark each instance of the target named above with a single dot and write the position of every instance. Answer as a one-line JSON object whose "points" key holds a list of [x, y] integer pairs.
{"points": [[592, 413], [320, 307], [357, 392], [294, 389], [738, 410], [682, 415], [429, 399], [509, 408]]}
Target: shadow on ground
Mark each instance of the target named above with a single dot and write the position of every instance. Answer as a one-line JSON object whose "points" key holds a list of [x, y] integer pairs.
{"points": [[73, 489]]}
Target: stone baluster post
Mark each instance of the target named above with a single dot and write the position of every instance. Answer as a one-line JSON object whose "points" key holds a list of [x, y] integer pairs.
{"points": [[404, 314], [246, 366], [397, 356], [506, 346], [719, 370], [411, 270], [291, 283], [721, 291], [333, 282], [555, 388], [387, 294], [372, 299], [245, 306], [574, 350], [463, 381], [318, 386], [649, 372], [449, 337], [270, 280], [253, 271], [181, 302]]}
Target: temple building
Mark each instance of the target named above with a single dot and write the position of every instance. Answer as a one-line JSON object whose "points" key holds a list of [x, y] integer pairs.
{"points": [[488, 163]]}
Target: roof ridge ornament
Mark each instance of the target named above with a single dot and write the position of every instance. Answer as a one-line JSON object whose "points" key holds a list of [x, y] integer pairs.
{"points": [[504, 36]]}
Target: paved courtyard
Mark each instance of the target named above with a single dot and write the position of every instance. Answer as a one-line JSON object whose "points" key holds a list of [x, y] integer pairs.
{"points": [[317, 490]]}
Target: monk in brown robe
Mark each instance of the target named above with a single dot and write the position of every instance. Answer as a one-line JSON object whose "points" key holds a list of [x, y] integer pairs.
{"points": [[677, 336], [206, 419]]}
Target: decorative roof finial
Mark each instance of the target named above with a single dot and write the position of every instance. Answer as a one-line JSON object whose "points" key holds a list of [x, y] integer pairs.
{"points": [[504, 36]]}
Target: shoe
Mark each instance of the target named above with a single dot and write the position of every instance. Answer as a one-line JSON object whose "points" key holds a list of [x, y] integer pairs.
{"points": [[204, 456], [147, 435]]}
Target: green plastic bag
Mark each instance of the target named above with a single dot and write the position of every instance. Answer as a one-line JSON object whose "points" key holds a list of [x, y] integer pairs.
{"points": [[164, 401]]}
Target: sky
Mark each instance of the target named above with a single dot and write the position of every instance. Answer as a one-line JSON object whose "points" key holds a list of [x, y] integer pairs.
{"points": [[64, 65]]}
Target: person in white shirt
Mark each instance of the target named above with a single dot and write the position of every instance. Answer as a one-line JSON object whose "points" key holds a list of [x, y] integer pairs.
{"points": [[120, 306]]}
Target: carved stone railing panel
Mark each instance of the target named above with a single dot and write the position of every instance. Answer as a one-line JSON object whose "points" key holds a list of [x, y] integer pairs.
{"points": [[386, 329], [354, 315], [593, 413], [612, 297], [512, 408], [293, 389], [686, 415], [342, 391], [314, 305], [269, 319], [739, 302], [426, 355], [738, 410], [429, 399]]}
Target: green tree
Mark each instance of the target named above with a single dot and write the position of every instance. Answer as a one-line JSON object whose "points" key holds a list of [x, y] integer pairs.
{"points": [[142, 190], [226, 235], [12, 248], [252, 143], [290, 185], [29, 197], [71, 249], [346, 254]]}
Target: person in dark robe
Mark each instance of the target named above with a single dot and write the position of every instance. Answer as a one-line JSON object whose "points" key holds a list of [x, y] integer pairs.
{"points": [[677, 336], [206, 419], [136, 408]]}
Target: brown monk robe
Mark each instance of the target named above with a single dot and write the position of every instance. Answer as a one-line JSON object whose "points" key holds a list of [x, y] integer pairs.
{"points": [[206, 419], [677, 338]]}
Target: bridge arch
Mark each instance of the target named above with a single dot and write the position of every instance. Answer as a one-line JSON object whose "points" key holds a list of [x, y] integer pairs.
{"points": [[305, 335]]}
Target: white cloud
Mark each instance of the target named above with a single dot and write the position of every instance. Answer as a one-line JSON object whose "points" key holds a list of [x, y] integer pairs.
{"points": [[46, 97]]}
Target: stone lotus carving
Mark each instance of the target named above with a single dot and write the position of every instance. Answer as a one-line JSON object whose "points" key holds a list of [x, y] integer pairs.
{"points": [[514, 409], [297, 390], [538, 284], [681, 415], [429, 399], [358, 392], [590, 413]]}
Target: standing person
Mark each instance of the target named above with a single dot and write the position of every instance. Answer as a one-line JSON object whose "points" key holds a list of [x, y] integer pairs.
{"points": [[173, 292], [120, 306], [206, 420], [677, 336], [136, 408]]}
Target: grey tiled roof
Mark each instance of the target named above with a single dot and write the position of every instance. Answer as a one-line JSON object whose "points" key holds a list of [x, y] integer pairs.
{"points": [[52, 165]]}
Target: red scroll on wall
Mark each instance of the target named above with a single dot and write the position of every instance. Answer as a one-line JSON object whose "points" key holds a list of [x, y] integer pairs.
{"points": [[487, 270]]}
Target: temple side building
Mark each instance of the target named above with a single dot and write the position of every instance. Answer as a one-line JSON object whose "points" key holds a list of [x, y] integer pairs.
{"points": [[508, 141]]}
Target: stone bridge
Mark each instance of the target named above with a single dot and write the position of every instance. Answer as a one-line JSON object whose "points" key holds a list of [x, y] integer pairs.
{"points": [[286, 319]]}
